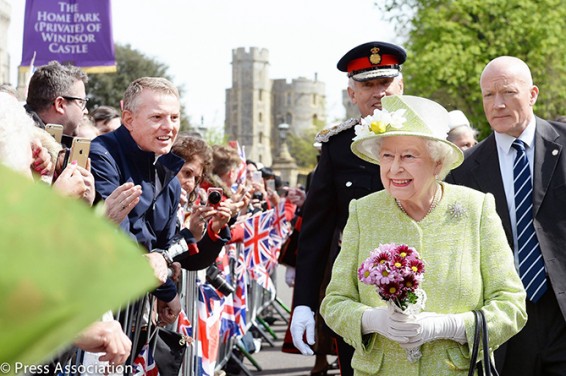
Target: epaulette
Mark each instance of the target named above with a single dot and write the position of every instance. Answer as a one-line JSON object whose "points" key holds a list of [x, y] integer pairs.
{"points": [[325, 134]]}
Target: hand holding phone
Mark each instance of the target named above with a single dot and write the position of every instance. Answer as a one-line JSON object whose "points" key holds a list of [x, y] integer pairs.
{"points": [[79, 151], [55, 130], [256, 177]]}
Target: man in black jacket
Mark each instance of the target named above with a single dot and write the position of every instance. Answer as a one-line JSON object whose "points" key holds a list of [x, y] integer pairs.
{"points": [[509, 96]]}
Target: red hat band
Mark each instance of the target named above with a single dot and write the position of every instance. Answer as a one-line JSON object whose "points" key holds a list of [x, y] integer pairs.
{"points": [[363, 63]]}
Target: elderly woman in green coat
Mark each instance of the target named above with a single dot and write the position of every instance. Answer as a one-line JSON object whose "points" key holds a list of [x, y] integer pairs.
{"points": [[456, 232]]}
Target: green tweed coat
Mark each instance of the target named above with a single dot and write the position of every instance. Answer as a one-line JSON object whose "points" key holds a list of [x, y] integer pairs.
{"points": [[468, 265]]}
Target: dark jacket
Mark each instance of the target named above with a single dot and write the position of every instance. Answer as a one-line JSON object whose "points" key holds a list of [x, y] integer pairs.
{"points": [[117, 159], [480, 171], [339, 177]]}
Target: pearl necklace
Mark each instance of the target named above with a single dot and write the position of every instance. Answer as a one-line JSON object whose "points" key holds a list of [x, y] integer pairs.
{"points": [[435, 200]]}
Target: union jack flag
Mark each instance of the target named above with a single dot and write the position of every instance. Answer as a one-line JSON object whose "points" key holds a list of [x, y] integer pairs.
{"points": [[242, 169], [184, 325], [241, 263], [209, 319], [144, 365], [228, 327], [280, 223], [262, 277], [241, 295], [279, 233], [257, 242]]}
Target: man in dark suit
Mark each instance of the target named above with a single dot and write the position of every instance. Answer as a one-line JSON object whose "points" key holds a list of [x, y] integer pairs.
{"points": [[374, 71], [508, 99]]}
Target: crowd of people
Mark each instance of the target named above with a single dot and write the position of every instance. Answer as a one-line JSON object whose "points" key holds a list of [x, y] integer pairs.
{"points": [[159, 198], [481, 216]]}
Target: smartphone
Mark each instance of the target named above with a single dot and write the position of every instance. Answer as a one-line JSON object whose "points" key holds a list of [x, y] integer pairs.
{"points": [[256, 177], [79, 151], [270, 184], [55, 130]]}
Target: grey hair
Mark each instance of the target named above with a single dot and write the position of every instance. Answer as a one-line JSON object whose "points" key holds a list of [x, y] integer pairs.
{"points": [[352, 82], [438, 151], [16, 133], [157, 84], [460, 130]]}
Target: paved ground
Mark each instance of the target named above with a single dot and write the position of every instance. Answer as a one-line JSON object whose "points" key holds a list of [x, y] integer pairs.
{"points": [[271, 359]]}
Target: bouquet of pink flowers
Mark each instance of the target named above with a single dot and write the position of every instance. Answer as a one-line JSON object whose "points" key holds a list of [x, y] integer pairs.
{"points": [[396, 271]]}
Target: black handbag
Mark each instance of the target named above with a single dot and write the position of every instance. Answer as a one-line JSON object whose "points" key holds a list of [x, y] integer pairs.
{"points": [[169, 351], [487, 368]]}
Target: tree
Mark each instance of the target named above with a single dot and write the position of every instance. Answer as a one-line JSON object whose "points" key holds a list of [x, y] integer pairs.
{"points": [[301, 146], [108, 88], [302, 149], [450, 42]]}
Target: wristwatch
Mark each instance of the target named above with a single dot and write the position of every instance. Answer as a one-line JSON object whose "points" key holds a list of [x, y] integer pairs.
{"points": [[165, 254]]}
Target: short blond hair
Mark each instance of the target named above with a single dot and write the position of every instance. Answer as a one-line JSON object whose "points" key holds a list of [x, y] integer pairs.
{"points": [[156, 84]]}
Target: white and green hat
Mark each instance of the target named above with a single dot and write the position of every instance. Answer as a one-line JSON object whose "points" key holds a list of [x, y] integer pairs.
{"points": [[403, 115]]}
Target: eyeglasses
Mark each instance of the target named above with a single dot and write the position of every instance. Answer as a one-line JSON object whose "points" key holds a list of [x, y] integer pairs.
{"points": [[81, 101]]}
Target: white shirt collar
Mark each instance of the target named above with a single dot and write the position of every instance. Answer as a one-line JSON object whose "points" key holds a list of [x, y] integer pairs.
{"points": [[504, 141]]}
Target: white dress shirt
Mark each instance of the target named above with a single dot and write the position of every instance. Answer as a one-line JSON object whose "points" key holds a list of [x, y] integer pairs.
{"points": [[507, 155]]}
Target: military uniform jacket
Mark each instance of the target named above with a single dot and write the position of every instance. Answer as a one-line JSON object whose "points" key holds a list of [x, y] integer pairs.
{"points": [[468, 265], [340, 176]]}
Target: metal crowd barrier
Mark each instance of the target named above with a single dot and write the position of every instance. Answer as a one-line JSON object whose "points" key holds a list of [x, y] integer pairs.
{"points": [[188, 297], [133, 323]]}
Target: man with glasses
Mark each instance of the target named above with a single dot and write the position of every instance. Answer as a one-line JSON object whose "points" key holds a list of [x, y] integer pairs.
{"points": [[57, 94]]}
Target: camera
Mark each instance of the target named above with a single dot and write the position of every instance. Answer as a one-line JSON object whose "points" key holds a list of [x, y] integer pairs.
{"points": [[257, 196], [216, 279], [214, 196]]}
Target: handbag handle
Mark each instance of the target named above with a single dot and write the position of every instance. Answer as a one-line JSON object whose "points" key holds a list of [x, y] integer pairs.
{"points": [[476, 345], [488, 368], [481, 331]]}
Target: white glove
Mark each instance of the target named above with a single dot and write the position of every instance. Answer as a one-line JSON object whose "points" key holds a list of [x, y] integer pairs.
{"points": [[394, 326], [301, 322], [290, 276], [433, 326]]}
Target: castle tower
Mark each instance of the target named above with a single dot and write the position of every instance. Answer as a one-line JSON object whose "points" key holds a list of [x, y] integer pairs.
{"points": [[248, 103], [301, 104]]}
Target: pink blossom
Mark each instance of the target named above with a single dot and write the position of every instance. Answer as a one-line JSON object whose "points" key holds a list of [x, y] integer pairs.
{"points": [[390, 290], [416, 266], [395, 270]]}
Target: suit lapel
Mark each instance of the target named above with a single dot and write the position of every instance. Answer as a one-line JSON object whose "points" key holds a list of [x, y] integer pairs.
{"points": [[487, 175], [547, 154]]}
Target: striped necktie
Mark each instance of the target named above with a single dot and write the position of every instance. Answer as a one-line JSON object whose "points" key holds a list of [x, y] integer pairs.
{"points": [[531, 263]]}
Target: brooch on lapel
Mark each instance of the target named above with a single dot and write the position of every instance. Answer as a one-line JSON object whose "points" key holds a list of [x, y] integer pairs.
{"points": [[457, 210]]}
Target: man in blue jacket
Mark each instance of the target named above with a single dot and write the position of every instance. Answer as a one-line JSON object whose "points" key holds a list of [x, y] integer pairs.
{"points": [[139, 152]]}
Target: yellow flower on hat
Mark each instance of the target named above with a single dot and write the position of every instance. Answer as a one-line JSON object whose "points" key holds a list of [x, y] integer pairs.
{"points": [[379, 122], [378, 126]]}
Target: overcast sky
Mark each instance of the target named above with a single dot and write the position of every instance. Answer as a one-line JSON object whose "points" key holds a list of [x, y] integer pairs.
{"points": [[196, 38]]}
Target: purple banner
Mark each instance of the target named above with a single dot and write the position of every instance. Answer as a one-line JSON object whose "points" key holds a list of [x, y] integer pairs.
{"points": [[69, 31]]}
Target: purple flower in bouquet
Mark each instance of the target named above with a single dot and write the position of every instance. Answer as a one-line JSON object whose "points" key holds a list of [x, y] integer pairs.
{"points": [[396, 271]]}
